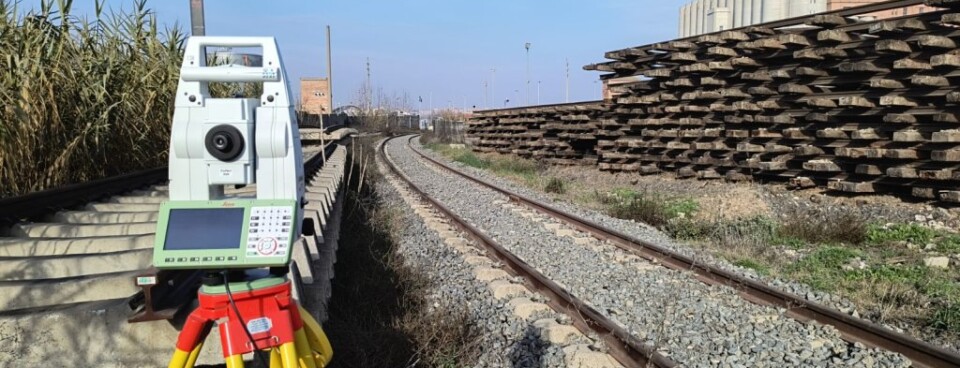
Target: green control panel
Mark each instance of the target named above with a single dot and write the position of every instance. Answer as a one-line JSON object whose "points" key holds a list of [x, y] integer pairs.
{"points": [[235, 233]]}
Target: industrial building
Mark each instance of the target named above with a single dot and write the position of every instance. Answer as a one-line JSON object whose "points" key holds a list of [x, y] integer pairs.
{"points": [[707, 16]]}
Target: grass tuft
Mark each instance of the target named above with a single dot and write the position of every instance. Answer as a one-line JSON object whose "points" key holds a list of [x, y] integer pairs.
{"points": [[653, 209], [555, 185], [843, 228], [947, 318], [753, 265]]}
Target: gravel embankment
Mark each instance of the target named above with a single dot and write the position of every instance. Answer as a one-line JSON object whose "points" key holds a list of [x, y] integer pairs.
{"points": [[695, 324], [506, 340]]}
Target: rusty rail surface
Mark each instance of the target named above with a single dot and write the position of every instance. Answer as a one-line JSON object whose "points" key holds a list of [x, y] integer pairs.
{"points": [[921, 353], [625, 348]]}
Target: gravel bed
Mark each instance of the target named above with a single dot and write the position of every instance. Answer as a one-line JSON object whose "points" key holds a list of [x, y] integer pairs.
{"points": [[650, 234], [695, 324], [643, 231], [505, 339]]}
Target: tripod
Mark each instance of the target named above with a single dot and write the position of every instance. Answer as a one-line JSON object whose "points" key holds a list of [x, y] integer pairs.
{"points": [[259, 315]]}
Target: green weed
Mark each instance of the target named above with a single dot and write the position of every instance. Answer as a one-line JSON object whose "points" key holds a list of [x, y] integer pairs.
{"points": [[753, 265], [822, 269], [946, 318], [913, 233], [470, 159]]}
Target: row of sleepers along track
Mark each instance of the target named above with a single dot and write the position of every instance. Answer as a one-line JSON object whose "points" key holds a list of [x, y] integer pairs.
{"points": [[84, 255], [692, 323]]}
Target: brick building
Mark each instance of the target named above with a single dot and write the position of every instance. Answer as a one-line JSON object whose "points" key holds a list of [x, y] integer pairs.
{"points": [[315, 96]]}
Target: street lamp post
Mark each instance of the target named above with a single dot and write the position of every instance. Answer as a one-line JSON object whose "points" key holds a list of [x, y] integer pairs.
{"points": [[526, 97]]}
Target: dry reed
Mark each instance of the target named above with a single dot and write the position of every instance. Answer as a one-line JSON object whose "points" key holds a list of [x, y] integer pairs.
{"points": [[83, 97]]}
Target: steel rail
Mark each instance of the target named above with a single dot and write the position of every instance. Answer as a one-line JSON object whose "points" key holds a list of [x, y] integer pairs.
{"points": [[921, 353], [625, 348], [32, 205]]}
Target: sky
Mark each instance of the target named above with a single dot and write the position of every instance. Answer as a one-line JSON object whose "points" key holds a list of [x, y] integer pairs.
{"points": [[440, 51]]}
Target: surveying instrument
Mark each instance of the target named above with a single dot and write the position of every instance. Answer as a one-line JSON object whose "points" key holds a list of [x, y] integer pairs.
{"points": [[241, 241]]}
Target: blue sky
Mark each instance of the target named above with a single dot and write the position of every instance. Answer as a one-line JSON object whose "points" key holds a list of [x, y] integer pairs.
{"points": [[440, 48]]}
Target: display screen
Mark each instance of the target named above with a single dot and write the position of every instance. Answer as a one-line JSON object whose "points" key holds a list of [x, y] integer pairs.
{"points": [[204, 228]]}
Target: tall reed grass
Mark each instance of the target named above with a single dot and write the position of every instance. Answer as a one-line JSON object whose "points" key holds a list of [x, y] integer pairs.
{"points": [[83, 98]]}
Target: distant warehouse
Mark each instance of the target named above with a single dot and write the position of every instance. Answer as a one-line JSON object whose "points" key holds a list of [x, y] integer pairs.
{"points": [[707, 16]]}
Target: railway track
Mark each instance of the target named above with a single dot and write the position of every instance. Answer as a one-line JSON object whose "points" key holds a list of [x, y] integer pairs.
{"points": [[851, 329], [628, 350]]}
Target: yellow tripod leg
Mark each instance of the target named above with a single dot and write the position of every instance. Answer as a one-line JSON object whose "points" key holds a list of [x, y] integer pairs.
{"points": [[235, 361], [318, 339], [304, 353], [288, 355], [179, 359], [275, 361], [192, 359]]}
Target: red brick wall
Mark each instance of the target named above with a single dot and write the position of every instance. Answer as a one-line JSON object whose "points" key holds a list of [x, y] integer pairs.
{"points": [[315, 96]]}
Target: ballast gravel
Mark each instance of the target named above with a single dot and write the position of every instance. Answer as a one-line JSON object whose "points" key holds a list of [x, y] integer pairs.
{"points": [[692, 323], [505, 340]]}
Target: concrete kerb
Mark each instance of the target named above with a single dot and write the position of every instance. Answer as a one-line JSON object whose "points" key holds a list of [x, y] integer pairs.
{"points": [[301, 255], [313, 242]]}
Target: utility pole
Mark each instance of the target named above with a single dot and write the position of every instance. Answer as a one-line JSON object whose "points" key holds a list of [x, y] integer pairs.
{"points": [[568, 80], [486, 102], [369, 87], [526, 97], [493, 85], [197, 25], [329, 70]]}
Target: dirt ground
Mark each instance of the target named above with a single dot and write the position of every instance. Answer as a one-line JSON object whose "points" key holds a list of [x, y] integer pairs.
{"points": [[721, 200]]}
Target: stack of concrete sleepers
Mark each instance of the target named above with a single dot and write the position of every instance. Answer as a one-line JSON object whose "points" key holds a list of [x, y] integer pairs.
{"points": [[856, 107]]}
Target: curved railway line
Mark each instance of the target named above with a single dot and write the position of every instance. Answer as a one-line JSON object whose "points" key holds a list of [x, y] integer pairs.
{"points": [[627, 349]]}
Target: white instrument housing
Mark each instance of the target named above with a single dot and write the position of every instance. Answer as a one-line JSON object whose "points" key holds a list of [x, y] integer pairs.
{"points": [[271, 155]]}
